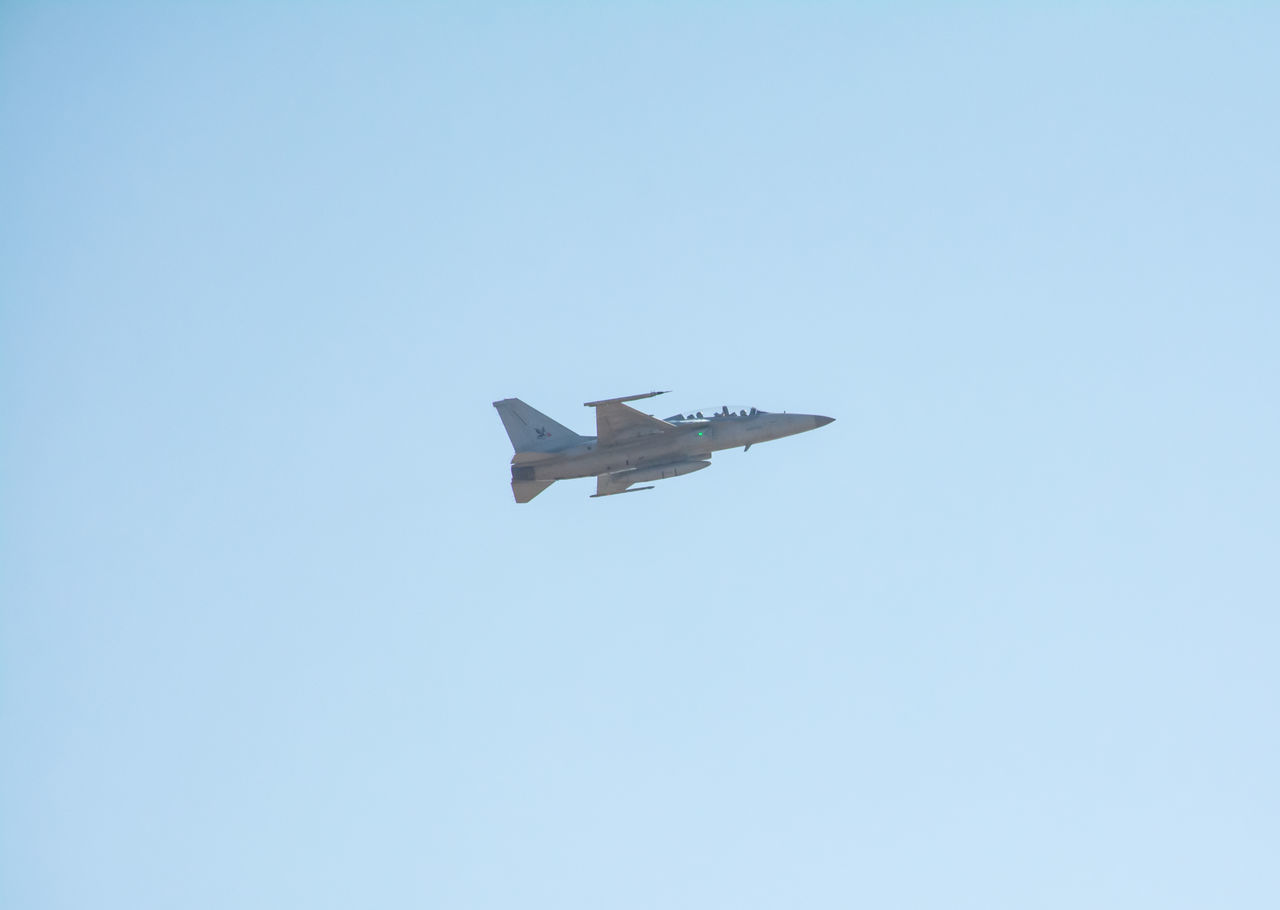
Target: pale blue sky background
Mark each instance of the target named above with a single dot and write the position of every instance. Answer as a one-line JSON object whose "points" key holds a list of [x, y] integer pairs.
{"points": [[274, 634]]}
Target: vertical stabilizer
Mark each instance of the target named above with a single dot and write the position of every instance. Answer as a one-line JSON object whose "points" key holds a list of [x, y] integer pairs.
{"points": [[532, 431]]}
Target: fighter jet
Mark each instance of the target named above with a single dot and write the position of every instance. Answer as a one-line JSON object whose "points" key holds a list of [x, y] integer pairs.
{"points": [[630, 447]]}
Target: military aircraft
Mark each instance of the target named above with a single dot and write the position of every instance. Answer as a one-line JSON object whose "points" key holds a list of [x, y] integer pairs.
{"points": [[630, 447]]}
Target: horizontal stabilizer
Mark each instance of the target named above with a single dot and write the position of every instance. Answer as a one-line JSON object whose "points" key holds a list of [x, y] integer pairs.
{"points": [[525, 490]]}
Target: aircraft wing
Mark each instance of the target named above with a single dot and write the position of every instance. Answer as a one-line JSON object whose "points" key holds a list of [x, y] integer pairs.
{"points": [[610, 484], [615, 422]]}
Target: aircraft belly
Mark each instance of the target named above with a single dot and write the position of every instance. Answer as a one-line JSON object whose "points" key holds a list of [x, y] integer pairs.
{"points": [[639, 453], [625, 457], [663, 471]]}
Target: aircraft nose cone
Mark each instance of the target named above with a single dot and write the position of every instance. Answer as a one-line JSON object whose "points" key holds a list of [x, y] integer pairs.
{"points": [[821, 421]]}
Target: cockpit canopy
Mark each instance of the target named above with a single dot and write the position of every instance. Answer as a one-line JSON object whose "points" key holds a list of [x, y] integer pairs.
{"points": [[723, 412]]}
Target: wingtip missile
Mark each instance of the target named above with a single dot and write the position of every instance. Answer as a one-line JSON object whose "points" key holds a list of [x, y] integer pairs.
{"points": [[593, 404]]}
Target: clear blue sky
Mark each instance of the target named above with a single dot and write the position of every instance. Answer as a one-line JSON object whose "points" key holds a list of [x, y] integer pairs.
{"points": [[274, 634]]}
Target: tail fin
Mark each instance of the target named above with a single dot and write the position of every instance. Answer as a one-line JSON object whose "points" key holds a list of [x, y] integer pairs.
{"points": [[533, 431]]}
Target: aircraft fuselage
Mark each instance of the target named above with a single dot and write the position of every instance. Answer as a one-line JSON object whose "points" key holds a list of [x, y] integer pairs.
{"points": [[693, 440]]}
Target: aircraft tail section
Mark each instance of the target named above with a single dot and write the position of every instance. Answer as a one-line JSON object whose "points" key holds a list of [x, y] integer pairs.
{"points": [[532, 431]]}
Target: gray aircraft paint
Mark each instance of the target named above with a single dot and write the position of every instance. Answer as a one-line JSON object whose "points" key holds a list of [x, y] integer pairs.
{"points": [[631, 447]]}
